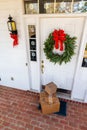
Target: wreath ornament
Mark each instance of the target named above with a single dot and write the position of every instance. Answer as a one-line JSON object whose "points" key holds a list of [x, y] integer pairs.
{"points": [[59, 47]]}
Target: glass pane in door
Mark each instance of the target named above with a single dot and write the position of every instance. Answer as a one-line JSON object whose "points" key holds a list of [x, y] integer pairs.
{"points": [[80, 6], [48, 6], [63, 6], [31, 6], [84, 62], [32, 31]]}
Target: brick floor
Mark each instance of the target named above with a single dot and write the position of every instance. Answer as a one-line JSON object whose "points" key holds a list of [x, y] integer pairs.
{"points": [[18, 111]]}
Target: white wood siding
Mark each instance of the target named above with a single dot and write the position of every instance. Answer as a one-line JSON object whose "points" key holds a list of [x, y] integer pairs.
{"points": [[12, 59]]}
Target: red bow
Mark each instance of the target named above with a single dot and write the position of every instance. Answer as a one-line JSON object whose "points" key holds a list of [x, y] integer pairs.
{"points": [[59, 37], [15, 37]]}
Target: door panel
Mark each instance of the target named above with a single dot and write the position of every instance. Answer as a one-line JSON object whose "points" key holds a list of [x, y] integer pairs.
{"points": [[32, 48], [62, 75]]}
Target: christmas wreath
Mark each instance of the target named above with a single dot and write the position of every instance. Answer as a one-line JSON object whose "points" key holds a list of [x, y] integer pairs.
{"points": [[59, 47]]}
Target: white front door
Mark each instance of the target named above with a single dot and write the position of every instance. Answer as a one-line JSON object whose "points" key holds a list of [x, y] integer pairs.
{"points": [[61, 75]]}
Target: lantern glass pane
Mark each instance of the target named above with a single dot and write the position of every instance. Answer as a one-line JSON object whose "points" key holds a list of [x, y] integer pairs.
{"points": [[9, 26], [13, 26]]}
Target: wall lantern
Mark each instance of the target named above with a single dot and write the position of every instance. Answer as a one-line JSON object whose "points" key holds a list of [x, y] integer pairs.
{"points": [[13, 30]]}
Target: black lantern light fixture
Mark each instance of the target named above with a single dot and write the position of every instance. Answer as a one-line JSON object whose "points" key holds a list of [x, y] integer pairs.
{"points": [[13, 30], [11, 25]]}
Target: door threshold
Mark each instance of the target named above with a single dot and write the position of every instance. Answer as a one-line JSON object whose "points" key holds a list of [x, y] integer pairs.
{"points": [[64, 95], [68, 97], [33, 90]]}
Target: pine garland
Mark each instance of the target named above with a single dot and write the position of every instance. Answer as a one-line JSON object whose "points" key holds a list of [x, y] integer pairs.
{"points": [[68, 53]]}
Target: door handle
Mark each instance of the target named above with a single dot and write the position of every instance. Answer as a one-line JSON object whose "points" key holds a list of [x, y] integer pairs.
{"points": [[42, 66]]}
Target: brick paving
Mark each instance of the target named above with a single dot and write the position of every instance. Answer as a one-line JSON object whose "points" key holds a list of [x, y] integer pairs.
{"points": [[18, 111]]}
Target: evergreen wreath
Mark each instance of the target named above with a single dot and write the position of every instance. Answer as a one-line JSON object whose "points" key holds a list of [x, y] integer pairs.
{"points": [[67, 46]]}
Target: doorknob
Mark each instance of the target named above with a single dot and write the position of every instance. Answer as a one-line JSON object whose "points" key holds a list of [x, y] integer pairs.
{"points": [[42, 66]]}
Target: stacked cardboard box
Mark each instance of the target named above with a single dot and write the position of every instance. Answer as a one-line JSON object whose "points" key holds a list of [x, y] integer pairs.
{"points": [[48, 100]]}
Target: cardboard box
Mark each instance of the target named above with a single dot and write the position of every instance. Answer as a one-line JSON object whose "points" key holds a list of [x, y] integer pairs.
{"points": [[50, 108], [51, 88], [45, 95]]}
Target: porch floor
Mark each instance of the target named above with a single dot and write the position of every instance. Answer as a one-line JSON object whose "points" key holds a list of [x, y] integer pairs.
{"points": [[18, 111]]}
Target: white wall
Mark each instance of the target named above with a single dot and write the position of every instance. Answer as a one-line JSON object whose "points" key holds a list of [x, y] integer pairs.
{"points": [[12, 59]]}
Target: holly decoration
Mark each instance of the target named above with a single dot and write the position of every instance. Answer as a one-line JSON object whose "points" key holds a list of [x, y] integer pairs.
{"points": [[58, 40]]}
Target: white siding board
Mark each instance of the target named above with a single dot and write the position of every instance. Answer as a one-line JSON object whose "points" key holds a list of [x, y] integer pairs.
{"points": [[12, 59]]}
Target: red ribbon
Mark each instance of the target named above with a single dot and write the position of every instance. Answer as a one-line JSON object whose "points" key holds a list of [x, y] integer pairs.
{"points": [[59, 37], [15, 37]]}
